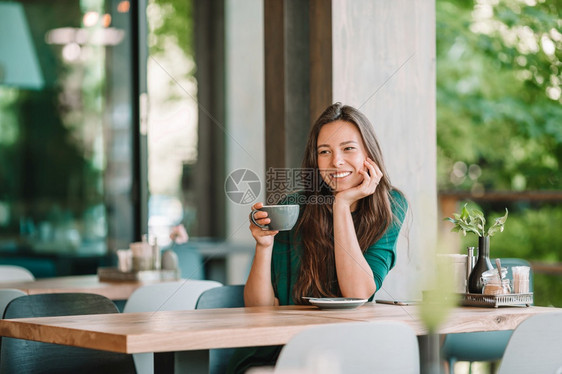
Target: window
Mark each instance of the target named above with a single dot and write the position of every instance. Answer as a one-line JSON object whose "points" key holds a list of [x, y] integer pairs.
{"points": [[68, 147]]}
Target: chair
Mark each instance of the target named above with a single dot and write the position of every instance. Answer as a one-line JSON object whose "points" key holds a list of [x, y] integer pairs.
{"points": [[535, 346], [355, 347], [180, 295], [12, 273], [40, 267], [7, 295], [190, 262], [24, 356], [221, 297], [481, 346]]}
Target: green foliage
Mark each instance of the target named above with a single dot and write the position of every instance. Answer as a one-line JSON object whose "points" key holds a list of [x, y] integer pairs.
{"points": [[547, 290], [171, 19], [473, 221], [498, 94], [533, 234]]}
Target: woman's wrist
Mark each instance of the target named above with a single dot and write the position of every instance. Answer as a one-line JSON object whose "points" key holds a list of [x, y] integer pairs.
{"points": [[264, 248], [341, 206]]}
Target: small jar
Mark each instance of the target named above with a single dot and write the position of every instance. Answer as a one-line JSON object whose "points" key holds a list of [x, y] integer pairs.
{"points": [[492, 284], [493, 273], [495, 288]]}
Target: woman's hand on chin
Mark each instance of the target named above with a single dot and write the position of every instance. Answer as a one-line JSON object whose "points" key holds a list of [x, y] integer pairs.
{"points": [[371, 178]]}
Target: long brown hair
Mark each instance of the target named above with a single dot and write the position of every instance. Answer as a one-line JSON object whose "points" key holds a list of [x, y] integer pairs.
{"points": [[317, 276]]}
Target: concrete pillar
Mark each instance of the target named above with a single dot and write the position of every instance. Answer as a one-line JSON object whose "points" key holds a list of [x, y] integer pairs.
{"points": [[384, 64], [244, 121]]}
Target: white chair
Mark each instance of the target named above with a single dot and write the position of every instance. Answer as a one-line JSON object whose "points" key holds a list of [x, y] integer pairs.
{"points": [[180, 295], [535, 346], [12, 273], [352, 348], [7, 295]]}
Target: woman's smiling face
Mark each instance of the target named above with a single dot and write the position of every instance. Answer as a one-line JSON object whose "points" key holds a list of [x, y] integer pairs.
{"points": [[341, 155]]}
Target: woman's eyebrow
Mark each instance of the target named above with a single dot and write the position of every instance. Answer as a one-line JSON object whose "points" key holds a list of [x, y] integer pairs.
{"points": [[341, 144]]}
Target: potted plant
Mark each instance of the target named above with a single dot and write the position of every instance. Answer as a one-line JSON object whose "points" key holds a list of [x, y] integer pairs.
{"points": [[473, 221]]}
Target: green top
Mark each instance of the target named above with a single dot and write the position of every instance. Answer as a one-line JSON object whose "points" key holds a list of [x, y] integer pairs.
{"points": [[381, 257]]}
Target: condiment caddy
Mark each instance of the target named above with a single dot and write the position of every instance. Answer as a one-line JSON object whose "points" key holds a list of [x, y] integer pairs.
{"points": [[496, 287]]}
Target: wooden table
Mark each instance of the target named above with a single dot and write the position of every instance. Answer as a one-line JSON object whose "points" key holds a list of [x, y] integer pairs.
{"points": [[196, 331], [118, 290]]}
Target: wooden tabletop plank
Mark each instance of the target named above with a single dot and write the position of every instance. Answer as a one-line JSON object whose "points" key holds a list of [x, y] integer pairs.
{"points": [[165, 331], [461, 319], [220, 328], [118, 290]]}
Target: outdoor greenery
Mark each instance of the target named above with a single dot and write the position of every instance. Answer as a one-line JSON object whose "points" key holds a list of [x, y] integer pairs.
{"points": [[171, 21], [498, 94], [499, 119]]}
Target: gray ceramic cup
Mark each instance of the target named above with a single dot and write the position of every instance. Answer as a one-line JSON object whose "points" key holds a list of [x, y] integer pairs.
{"points": [[283, 217]]}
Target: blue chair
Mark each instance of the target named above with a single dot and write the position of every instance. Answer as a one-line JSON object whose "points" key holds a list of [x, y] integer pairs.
{"points": [[221, 297], [190, 262], [481, 346], [7, 295], [30, 357]]}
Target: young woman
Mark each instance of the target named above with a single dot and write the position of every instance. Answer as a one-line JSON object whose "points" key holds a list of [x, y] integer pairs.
{"points": [[344, 242]]}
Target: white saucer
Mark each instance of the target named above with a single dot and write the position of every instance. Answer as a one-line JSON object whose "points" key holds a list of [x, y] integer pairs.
{"points": [[336, 302]]}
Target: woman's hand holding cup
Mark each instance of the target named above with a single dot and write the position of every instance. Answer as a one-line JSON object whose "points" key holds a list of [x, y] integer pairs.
{"points": [[263, 237]]}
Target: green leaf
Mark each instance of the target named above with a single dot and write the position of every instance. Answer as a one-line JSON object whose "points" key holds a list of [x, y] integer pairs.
{"points": [[498, 224], [464, 213]]}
